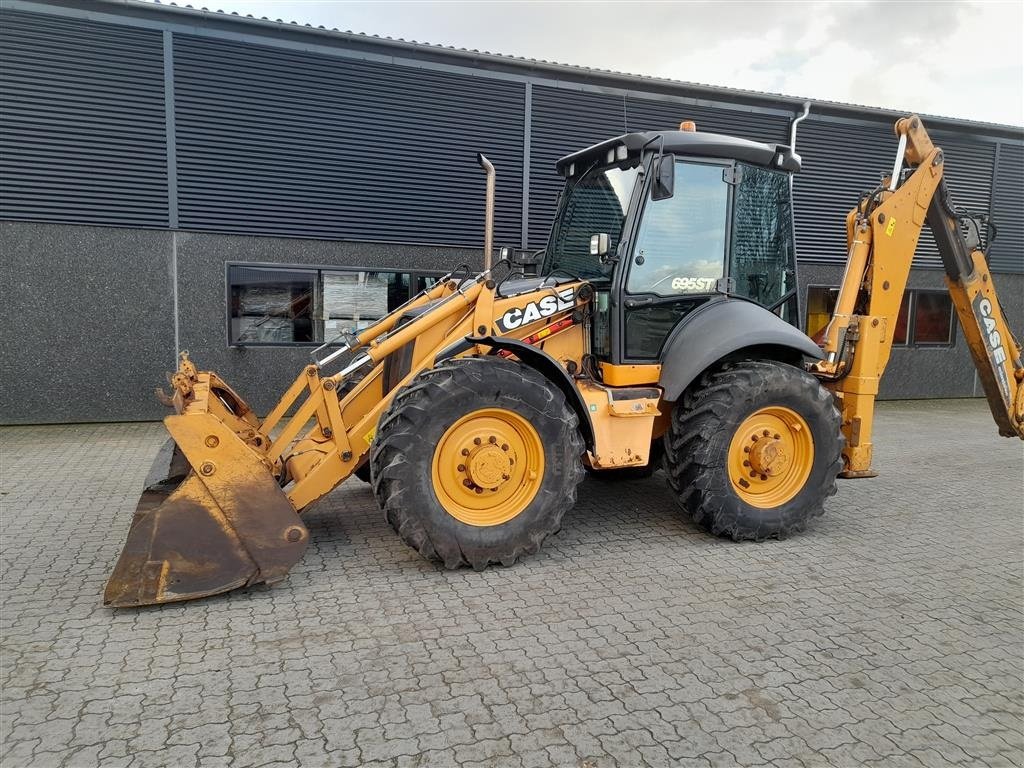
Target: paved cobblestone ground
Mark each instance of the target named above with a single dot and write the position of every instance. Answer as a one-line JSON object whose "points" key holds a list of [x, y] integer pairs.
{"points": [[890, 633]]}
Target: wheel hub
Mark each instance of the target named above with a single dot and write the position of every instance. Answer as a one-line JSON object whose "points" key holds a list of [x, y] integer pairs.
{"points": [[770, 457], [488, 466]]}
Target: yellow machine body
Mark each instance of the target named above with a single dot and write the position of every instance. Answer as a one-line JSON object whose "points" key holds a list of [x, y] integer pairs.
{"points": [[224, 509]]}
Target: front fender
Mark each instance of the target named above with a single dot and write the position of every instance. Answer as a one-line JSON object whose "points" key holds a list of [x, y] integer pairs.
{"points": [[720, 328], [547, 365]]}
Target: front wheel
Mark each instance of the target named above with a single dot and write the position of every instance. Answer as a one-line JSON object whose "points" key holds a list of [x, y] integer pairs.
{"points": [[754, 449], [476, 462]]}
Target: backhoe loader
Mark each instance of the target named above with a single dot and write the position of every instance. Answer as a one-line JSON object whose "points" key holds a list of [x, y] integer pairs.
{"points": [[662, 327]]}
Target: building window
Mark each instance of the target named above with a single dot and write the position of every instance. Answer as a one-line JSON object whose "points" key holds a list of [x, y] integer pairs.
{"points": [[925, 318], [277, 306], [271, 306], [933, 318]]}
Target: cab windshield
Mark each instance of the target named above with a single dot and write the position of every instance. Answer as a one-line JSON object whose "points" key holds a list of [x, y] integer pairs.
{"points": [[595, 203]]}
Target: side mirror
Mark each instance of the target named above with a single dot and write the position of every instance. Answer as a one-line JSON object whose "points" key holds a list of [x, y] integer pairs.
{"points": [[599, 245], [664, 184]]}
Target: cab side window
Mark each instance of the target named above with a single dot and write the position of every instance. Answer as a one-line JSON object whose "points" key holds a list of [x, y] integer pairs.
{"points": [[761, 262], [680, 248]]}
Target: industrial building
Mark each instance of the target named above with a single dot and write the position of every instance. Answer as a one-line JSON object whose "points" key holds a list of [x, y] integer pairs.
{"points": [[180, 179]]}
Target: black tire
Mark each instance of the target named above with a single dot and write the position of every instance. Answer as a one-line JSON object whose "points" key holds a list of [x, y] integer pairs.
{"points": [[413, 426], [703, 424]]}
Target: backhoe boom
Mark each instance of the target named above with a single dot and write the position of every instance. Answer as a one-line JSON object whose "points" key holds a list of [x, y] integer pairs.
{"points": [[882, 235]]}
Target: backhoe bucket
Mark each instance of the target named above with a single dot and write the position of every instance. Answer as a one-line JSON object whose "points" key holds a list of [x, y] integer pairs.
{"points": [[211, 519]]}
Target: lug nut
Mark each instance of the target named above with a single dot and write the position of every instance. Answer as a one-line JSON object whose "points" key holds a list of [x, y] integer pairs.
{"points": [[468, 483], [465, 451], [778, 437], [492, 439], [504, 477], [479, 490], [746, 463], [477, 441], [746, 449], [766, 433], [504, 446], [462, 467]]}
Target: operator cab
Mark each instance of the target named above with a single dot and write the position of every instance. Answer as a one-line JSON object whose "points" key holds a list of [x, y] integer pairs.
{"points": [[663, 222]]}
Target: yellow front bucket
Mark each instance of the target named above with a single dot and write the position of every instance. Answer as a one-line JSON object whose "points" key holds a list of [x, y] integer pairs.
{"points": [[216, 520]]}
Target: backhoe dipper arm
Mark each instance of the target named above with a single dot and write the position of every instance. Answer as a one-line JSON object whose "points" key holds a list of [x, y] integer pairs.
{"points": [[882, 235]]}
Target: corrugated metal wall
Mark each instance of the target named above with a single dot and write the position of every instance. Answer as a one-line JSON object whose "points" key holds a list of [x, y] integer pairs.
{"points": [[1007, 253], [842, 161], [968, 175], [82, 130], [561, 121], [282, 141], [293, 143]]}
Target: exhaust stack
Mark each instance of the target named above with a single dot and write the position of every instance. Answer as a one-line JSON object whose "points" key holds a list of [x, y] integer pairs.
{"points": [[488, 167]]}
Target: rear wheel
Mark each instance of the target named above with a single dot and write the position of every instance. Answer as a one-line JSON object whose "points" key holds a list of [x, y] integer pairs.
{"points": [[754, 450], [476, 462]]}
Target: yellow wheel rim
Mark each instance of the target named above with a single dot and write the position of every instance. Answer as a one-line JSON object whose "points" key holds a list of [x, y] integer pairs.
{"points": [[488, 467], [770, 457]]}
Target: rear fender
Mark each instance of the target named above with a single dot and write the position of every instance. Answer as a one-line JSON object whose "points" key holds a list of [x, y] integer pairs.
{"points": [[722, 328]]}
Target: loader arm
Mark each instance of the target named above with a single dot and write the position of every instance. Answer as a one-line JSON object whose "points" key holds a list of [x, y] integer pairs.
{"points": [[882, 235]]}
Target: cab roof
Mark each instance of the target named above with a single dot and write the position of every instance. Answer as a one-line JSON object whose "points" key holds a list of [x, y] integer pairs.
{"points": [[694, 143]]}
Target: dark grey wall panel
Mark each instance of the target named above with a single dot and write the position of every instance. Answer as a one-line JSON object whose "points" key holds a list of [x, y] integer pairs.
{"points": [[87, 322], [563, 121], [1007, 252], [82, 133], [294, 143], [842, 161], [968, 175]]}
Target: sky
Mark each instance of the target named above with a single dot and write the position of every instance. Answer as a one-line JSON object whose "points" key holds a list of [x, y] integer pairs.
{"points": [[955, 59]]}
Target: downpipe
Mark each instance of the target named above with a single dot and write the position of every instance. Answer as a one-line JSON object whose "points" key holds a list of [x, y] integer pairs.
{"points": [[796, 121]]}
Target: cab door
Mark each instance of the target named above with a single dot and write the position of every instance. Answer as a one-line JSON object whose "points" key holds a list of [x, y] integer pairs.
{"points": [[677, 257]]}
